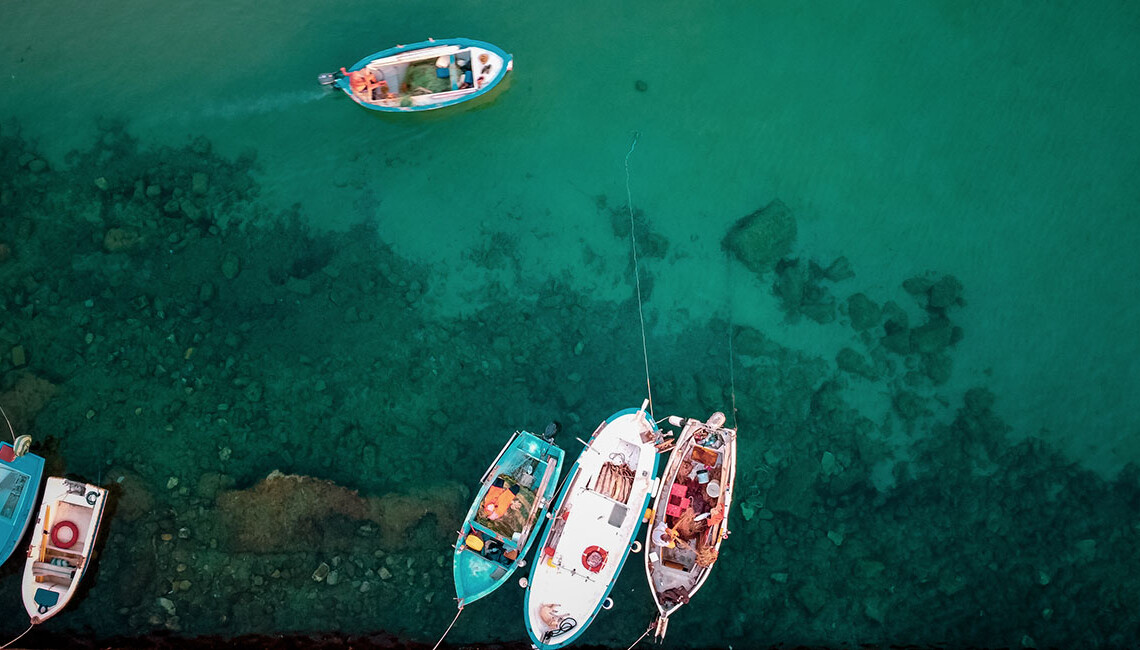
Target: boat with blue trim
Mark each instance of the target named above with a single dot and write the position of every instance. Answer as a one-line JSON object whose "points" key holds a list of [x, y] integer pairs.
{"points": [[514, 495], [61, 547], [689, 519], [423, 76], [20, 474], [592, 528]]}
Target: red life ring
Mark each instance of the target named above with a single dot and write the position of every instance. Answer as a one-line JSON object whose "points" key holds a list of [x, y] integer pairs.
{"points": [[594, 558], [55, 534]]}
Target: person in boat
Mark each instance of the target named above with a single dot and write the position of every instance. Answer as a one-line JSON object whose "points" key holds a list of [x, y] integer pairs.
{"points": [[500, 499], [667, 537], [550, 615], [363, 82]]}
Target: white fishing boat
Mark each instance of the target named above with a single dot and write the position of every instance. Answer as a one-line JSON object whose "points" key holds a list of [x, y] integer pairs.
{"points": [[423, 76], [591, 528], [689, 519], [61, 546]]}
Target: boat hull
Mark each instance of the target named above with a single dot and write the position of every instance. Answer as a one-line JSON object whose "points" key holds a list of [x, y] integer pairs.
{"points": [[390, 67], [61, 547], [587, 540], [525, 473], [19, 492]]}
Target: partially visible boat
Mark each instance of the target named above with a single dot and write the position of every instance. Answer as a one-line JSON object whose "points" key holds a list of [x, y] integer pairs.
{"points": [[423, 76], [62, 542], [592, 528], [20, 477], [506, 515], [690, 513]]}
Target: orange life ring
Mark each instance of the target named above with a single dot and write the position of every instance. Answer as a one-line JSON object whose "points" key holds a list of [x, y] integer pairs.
{"points": [[594, 558], [55, 534]]}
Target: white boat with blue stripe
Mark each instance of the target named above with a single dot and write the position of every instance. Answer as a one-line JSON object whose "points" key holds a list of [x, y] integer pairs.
{"points": [[61, 547], [592, 528], [423, 76]]}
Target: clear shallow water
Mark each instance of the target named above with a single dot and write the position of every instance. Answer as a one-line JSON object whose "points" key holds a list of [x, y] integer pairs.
{"points": [[995, 142]]}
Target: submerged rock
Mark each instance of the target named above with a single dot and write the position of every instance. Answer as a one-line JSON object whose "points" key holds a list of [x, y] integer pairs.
{"points": [[231, 266], [118, 240], [289, 512], [760, 239], [863, 312]]}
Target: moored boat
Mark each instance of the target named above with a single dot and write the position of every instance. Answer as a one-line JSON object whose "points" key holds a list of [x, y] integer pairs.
{"points": [[690, 513], [20, 474], [591, 528], [423, 76], [506, 515], [61, 546]]}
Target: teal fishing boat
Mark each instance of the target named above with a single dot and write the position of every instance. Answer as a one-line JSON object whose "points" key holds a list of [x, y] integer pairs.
{"points": [[501, 525], [422, 76], [20, 474], [514, 495]]}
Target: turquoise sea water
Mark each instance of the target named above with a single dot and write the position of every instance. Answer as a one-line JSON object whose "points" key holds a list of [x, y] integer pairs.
{"points": [[410, 289]]}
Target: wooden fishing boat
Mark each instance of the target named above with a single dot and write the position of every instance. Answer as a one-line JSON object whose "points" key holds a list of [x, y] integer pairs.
{"points": [[514, 495], [689, 519], [423, 76], [61, 546], [20, 474], [592, 528]]}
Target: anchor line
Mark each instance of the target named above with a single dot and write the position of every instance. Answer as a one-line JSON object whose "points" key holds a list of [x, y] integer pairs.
{"points": [[643, 635], [436, 646], [732, 375], [10, 429], [637, 271], [21, 633], [731, 356]]}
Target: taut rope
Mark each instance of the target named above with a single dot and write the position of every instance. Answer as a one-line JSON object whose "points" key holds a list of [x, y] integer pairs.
{"points": [[637, 271], [21, 633], [10, 429], [436, 646]]}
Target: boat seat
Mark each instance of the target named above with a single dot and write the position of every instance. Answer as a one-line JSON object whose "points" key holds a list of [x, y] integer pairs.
{"points": [[53, 570]]}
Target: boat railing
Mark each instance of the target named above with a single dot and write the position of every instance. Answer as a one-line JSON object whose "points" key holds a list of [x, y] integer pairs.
{"points": [[494, 465], [425, 54]]}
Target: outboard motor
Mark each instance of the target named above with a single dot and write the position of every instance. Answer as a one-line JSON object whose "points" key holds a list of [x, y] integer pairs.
{"points": [[551, 431], [327, 79]]}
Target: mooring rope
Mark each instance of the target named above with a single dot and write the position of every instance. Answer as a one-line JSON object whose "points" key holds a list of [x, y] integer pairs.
{"points": [[643, 635], [25, 631], [637, 270], [10, 429], [731, 309], [732, 375], [436, 646]]}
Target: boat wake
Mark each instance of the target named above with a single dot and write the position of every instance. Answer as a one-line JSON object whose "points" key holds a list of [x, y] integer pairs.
{"points": [[263, 104], [232, 109]]}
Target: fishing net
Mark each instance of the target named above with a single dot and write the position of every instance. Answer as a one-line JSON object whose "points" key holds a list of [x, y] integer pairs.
{"points": [[421, 77]]}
